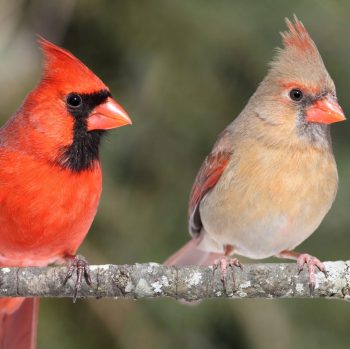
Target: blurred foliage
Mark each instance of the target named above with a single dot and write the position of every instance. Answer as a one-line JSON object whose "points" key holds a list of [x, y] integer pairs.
{"points": [[183, 70]]}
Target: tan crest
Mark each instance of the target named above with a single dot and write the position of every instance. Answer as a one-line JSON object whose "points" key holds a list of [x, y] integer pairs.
{"points": [[297, 36], [299, 62]]}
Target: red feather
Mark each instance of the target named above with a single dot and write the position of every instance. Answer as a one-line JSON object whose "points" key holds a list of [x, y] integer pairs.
{"points": [[18, 329], [62, 70], [46, 208]]}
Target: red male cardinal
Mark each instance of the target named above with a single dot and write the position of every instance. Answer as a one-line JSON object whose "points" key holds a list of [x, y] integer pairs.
{"points": [[271, 176], [50, 177]]}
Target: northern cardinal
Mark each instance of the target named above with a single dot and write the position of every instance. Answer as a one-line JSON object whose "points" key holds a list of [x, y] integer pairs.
{"points": [[50, 177], [271, 176]]}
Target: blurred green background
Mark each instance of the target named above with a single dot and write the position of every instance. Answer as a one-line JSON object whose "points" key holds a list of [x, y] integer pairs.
{"points": [[183, 70]]}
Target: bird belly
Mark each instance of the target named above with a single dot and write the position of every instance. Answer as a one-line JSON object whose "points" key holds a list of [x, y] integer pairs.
{"points": [[267, 238], [265, 212], [261, 237], [45, 213]]}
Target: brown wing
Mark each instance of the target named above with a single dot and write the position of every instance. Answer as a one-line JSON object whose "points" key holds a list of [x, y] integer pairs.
{"points": [[207, 177]]}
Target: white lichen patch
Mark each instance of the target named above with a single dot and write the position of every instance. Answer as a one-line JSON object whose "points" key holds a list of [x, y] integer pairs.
{"points": [[142, 289], [241, 294], [245, 284], [299, 288], [101, 267], [320, 278], [218, 293], [335, 275], [194, 279], [129, 287], [157, 287], [152, 265], [5, 270], [165, 281], [334, 270], [270, 281]]}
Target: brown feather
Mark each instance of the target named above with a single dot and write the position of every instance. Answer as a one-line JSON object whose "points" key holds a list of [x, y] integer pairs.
{"points": [[207, 177]]}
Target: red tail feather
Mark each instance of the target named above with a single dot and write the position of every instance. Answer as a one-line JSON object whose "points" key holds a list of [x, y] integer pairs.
{"points": [[18, 328]]}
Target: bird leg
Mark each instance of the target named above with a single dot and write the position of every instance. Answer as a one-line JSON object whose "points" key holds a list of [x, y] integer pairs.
{"points": [[81, 266], [310, 261], [227, 261]]}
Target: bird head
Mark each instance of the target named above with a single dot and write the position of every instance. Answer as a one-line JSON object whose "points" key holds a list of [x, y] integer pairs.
{"points": [[83, 94], [298, 92], [69, 110]]}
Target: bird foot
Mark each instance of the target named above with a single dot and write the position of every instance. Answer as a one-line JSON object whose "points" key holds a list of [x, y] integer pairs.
{"points": [[311, 262], [225, 262], [81, 266]]}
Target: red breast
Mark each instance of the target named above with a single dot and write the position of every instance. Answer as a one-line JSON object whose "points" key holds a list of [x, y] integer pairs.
{"points": [[50, 173]]}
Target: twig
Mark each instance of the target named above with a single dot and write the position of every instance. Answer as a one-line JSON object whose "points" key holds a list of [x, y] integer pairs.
{"points": [[153, 280]]}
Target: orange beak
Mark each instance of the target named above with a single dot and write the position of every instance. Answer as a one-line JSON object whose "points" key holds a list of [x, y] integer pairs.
{"points": [[107, 115], [325, 111]]}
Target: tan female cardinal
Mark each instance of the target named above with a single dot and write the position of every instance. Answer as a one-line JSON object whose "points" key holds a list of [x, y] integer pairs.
{"points": [[50, 177], [271, 176]]}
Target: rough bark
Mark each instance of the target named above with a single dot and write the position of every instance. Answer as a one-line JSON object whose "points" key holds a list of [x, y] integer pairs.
{"points": [[192, 283]]}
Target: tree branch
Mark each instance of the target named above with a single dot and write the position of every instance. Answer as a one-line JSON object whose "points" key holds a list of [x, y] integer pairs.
{"points": [[189, 283]]}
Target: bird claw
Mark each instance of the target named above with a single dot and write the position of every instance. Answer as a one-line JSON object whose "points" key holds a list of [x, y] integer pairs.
{"points": [[311, 263], [225, 262], [81, 266]]}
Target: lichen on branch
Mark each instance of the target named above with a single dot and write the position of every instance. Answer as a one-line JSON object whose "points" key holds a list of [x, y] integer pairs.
{"points": [[152, 280]]}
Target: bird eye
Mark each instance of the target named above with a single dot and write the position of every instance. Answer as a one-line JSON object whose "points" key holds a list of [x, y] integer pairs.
{"points": [[296, 95], [74, 100]]}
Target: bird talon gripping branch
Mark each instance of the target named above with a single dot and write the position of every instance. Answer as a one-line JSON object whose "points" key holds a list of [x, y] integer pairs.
{"points": [[225, 262], [311, 262], [80, 265]]}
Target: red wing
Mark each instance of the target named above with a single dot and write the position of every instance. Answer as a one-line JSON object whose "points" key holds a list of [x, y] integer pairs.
{"points": [[207, 177]]}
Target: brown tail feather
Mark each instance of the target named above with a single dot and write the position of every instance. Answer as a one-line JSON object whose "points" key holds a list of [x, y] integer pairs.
{"points": [[189, 254], [18, 329]]}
